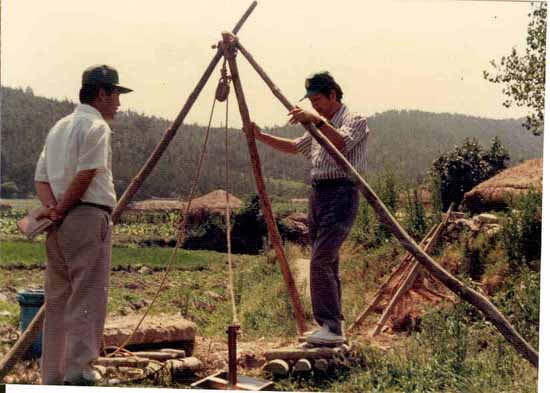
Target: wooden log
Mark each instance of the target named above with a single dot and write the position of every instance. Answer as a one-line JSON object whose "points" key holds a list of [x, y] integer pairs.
{"points": [[122, 362], [169, 134], [302, 366], [180, 352], [274, 236], [321, 365], [384, 216], [277, 368], [304, 353], [23, 343], [375, 300], [411, 276], [184, 366], [154, 355]]}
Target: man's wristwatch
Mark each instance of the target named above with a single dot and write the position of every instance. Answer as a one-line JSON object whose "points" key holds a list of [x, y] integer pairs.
{"points": [[320, 123]]}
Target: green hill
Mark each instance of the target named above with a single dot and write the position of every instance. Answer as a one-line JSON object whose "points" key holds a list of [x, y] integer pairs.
{"points": [[404, 141]]}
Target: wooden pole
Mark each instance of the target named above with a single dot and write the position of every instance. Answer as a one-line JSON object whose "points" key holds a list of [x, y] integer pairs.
{"points": [[403, 267], [273, 232], [169, 134], [464, 292], [411, 276], [25, 340], [22, 344]]}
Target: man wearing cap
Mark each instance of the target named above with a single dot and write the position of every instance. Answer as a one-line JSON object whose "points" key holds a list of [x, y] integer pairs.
{"points": [[334, 198], [74, 183]]}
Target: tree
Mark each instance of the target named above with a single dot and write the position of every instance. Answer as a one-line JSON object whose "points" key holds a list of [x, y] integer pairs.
{"points": [[464, 167], [523, 76]]}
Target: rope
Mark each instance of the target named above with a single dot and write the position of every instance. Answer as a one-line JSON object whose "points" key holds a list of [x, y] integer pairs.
{"points": [[228, 215], [180, 236]]}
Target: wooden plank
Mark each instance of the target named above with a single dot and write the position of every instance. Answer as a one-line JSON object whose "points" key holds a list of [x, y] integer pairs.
{"points": [[122, 362]]}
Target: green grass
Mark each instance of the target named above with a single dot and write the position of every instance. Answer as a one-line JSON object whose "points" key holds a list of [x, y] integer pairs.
{"points": [[28, 253]]}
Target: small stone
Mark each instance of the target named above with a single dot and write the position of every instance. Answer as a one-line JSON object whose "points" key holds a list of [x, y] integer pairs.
{"points": [[113, 381], [145, 270], [213, 295], [101, 369], [486, 218]]}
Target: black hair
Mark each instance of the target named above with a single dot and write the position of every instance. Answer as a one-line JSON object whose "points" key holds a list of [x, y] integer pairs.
{"points": [[89, 92], [326, 89]]}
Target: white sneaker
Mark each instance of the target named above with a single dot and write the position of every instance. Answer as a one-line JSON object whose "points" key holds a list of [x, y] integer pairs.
{"points": [[324, 336], [89, 377]]}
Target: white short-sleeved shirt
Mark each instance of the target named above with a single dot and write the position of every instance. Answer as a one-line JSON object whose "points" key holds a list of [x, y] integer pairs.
{"points": [[354, 129], [79, 141]]}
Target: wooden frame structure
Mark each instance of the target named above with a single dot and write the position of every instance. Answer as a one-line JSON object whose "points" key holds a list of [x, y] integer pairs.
{"points": [[228, 48]]}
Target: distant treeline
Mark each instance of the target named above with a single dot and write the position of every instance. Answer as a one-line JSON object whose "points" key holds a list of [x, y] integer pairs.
{"points": [[405, 142]]}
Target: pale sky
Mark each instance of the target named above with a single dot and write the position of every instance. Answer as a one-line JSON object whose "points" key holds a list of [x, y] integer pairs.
{"points": [[425, 55]]}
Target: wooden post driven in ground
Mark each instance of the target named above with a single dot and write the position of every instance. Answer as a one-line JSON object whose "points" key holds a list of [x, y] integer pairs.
{"points": [[169, 134], [274, 236], [30, 335], [384, 216]]}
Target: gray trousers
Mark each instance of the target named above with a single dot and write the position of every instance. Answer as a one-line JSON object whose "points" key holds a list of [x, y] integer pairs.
{"points": [[332, 210], [77, 281]]}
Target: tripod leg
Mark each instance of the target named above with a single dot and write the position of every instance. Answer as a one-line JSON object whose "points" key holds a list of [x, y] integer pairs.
{"points": [[274, 235]]}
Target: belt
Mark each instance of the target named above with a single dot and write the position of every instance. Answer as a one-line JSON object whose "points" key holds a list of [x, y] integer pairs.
{"points": [[322, 183], [107, 209]]}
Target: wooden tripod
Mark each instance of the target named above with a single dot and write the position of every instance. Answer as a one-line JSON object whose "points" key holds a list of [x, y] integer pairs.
{"points": [[228, 48]]}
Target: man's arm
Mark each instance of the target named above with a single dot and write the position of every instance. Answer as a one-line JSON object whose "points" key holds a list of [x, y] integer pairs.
{"points": [[301, 116], [76, 189], [282, 144]]}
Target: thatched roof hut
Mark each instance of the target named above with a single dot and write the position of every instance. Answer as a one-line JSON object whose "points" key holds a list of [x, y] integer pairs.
{"points": [[214, 202], [201, 207], [155, 205], [496, 192]]}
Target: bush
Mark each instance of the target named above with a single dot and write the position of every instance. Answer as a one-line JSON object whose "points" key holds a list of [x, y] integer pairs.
{"points": [[521, 235], [416, 219], [466, 166]]}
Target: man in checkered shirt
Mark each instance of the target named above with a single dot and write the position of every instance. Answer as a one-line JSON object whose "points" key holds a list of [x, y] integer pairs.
{"points": [[334, 198]]}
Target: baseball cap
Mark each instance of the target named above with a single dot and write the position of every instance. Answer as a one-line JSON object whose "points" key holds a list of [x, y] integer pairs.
{"points": [[318, 82], [102, 74]]}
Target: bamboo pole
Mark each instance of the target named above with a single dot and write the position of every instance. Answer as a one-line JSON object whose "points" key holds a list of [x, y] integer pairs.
{"points": [[403, 267], [273, 232], [169, 134], [411, 276], [25, 340], [464, 292]]}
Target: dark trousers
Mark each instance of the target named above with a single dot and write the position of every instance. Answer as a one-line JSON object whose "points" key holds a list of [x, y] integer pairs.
{"points": [[332, 210]]}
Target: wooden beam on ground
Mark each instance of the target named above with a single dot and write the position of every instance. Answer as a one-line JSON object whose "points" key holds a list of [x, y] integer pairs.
{"points": [[384, 216], [274, 236], [411, 276]]}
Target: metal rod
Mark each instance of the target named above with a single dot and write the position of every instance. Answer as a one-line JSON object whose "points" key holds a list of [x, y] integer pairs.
{"points": [[169, 134], [232, 332], [464, 292], [273, 232]]}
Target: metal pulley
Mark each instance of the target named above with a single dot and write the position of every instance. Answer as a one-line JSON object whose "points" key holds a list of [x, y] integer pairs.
{"points": [[222, 91]]}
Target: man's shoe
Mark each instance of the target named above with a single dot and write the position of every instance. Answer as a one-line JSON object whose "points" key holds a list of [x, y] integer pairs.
{"points": [[324, 336], [89, 377]]}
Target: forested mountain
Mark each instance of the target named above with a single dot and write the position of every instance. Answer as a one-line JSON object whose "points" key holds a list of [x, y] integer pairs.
{"points": [[405, 142]]}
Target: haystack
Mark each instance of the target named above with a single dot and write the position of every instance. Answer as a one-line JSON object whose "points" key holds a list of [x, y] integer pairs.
{"points": [[214, 203], [155, 205], [497, 192]]}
